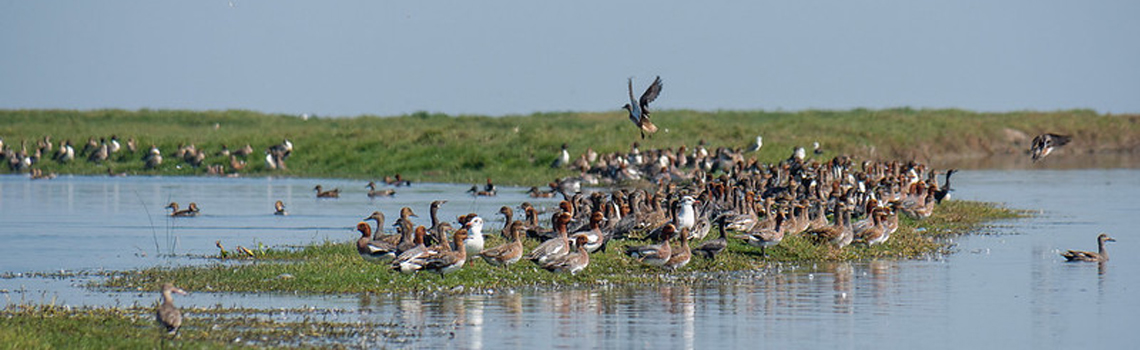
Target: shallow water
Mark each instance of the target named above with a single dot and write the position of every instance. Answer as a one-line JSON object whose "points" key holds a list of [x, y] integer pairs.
{"points": [[1009, 288]]}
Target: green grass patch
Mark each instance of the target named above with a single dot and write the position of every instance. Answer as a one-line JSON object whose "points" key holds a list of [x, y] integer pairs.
{"points": [[335, 267]]}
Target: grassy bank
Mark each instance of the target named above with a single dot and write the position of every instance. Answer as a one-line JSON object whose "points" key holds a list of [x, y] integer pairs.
{"points": [[335, 267], [52, 327], [518, 149]]}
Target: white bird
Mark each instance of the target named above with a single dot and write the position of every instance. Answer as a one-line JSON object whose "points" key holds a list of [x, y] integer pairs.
{"points": [[756, 146], [474, 241]]}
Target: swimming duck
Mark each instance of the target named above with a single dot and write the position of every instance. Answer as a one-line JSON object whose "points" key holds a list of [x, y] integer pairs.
{"points": [[168, 315], [474, 191], [397, 181], [572, 262], [554, 247], [279, 208], [1045, 143], [639, 108], [654, 254], [534, 192], [1100, 256], [373, 193], [373, 251], [333, 193], [190, 211], [507, 253]]}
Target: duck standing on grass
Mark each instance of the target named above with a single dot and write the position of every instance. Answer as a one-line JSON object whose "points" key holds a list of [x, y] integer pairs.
{"points": [[168, 315]]}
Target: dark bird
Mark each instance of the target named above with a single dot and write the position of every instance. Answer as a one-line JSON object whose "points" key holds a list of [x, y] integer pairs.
{"points": [[944, 192], [639, 108], [1045, 143]]}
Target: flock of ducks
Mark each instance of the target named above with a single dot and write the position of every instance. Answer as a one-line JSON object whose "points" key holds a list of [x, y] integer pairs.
{"points": [[834, 202], [107, 151]]}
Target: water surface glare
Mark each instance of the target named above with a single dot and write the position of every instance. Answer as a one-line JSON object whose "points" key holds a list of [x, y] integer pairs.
{"points": [[1006, 289]]}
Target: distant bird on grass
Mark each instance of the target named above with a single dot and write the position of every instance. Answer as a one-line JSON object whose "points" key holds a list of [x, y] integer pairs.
{"points": [[639, 108], [168, 315], [1045, 143]]}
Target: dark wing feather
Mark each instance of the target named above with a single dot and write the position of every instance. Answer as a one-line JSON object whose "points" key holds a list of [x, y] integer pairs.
{"points": [[651, 93], [1060, 140]]}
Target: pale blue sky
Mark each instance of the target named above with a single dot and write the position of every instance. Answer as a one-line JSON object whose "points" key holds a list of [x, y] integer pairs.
{"points": [[347, 58]]}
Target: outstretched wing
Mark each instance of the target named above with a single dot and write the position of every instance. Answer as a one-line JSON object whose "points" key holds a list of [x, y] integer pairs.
{"points": [[650, 93], [1060, 140]]}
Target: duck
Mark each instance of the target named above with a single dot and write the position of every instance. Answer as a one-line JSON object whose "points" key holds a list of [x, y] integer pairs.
{"points": [[534, 192], [190, 211], [554, 247], [475, 191], [654, 254], [508, 217], [639, 108], [757, 145], [412, 259], [397, 181], [943, 193], [764, 237], [490, 187], [167, 314], [874, 233], [711, 248], [595, 239], [370, 250], [474, 242], [1100, 256], [572, 262], [445, 262], [279, 208], [507, 253], [681, 255], [378, 233], [333, 193], [839, 233], [153, 158], [1044, 144], [373, 193], [562, 159]]}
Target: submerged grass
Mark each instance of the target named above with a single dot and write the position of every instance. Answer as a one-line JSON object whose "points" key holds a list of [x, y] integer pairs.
{"points": [[335, 267], [518, 149]]}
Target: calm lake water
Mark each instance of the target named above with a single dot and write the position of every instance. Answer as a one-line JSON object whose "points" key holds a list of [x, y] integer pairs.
{"points": [[1008, 288]]}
